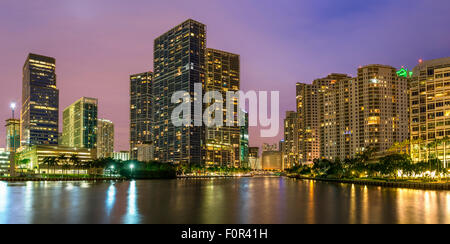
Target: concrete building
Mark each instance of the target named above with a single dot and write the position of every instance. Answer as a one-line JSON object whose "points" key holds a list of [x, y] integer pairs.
{"points": [[430, 110], [141, 111], [105, 138], [40, 102], [80, 124], [223, 143], [340, 116]]}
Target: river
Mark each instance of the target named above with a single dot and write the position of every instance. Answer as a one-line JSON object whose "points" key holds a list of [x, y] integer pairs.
{"points": [[219, 201]]}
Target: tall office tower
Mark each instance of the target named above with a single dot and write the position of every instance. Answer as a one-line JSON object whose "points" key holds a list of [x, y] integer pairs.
{"points": [[40, 102], [80, 124], [105, 138], [179, 64], [430, 110], [12, 135], [338, 121], [245, 140], [223, 75], [141, 111], [381, 108], [290, 146]]}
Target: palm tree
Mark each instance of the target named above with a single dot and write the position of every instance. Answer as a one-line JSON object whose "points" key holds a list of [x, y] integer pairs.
{"points": [[47, 161], [76, 163], [62, 160]]}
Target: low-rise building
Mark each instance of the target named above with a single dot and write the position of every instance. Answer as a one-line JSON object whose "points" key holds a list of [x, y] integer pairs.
{"points": [[33, 157], [122, 156], [4, 162]]}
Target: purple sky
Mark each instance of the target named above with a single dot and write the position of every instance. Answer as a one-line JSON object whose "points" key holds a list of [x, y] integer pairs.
{"points": [[99, 43]]}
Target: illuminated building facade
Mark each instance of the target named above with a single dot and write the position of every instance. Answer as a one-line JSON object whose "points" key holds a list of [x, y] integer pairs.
{"points": [[340, 116], [338, 124], [80, 124], [245, 140], [179, 64], [381, 109], [4, 162], [289, 146], [308, 108], [12, 135], [122, 156], [40, 102], [105, 138], [35, 156], [223, 144], [430, 110], [141, 112]]}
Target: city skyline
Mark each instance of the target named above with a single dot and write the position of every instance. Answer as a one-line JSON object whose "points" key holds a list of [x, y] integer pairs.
{"points": [[289, 61]]}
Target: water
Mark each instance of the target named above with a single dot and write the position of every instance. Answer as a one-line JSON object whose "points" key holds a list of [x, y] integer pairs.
{"points": [[218, 201]]}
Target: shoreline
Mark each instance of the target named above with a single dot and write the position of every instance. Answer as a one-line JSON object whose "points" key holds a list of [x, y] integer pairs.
{"points": [[406, 185], [62, 179]]}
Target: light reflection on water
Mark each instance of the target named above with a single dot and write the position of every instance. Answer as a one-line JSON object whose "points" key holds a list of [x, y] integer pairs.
{"points": [[221, 201]]}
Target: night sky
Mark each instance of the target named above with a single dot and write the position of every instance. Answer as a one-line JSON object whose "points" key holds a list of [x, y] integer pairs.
{"points": [[99, 43]]}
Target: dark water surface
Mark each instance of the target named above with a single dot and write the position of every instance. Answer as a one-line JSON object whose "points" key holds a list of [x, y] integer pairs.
{"points": [[218, 201]]}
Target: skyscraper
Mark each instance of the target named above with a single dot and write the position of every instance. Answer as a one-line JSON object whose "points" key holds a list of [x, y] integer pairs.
{"points": [[105, 138], [381, 108], [308, 108], [40, 102], [430, 110], [179, 63], [290, 146], [340, 116], [223, 75], [245, 140], [80, 124], [141, 111]]}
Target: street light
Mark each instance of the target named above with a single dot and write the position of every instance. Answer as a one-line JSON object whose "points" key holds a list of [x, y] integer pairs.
{"points": [[111, 171], [132, 167]]}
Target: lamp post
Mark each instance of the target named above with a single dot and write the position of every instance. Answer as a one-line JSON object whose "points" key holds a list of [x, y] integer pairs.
{"points": [[111, 171], [132, 168]]}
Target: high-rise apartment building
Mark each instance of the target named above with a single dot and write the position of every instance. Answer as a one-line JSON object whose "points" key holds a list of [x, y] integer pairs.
{"points": [[40, 102], [290, 146], [308, 107], [340, 116], [80, 124], [338, 119], [179, 64], [141, 111], [430, 110], [223, 75], [381, 108], [105, 138]]}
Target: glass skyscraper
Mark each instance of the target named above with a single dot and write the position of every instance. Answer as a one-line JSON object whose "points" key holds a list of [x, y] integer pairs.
{"points": [[179, 63], [223, 144], [40, 102], [80, 124], [141, 113]]}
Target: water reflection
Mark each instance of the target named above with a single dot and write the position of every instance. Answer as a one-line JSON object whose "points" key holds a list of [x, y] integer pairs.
{"points": [[221, 201]]}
